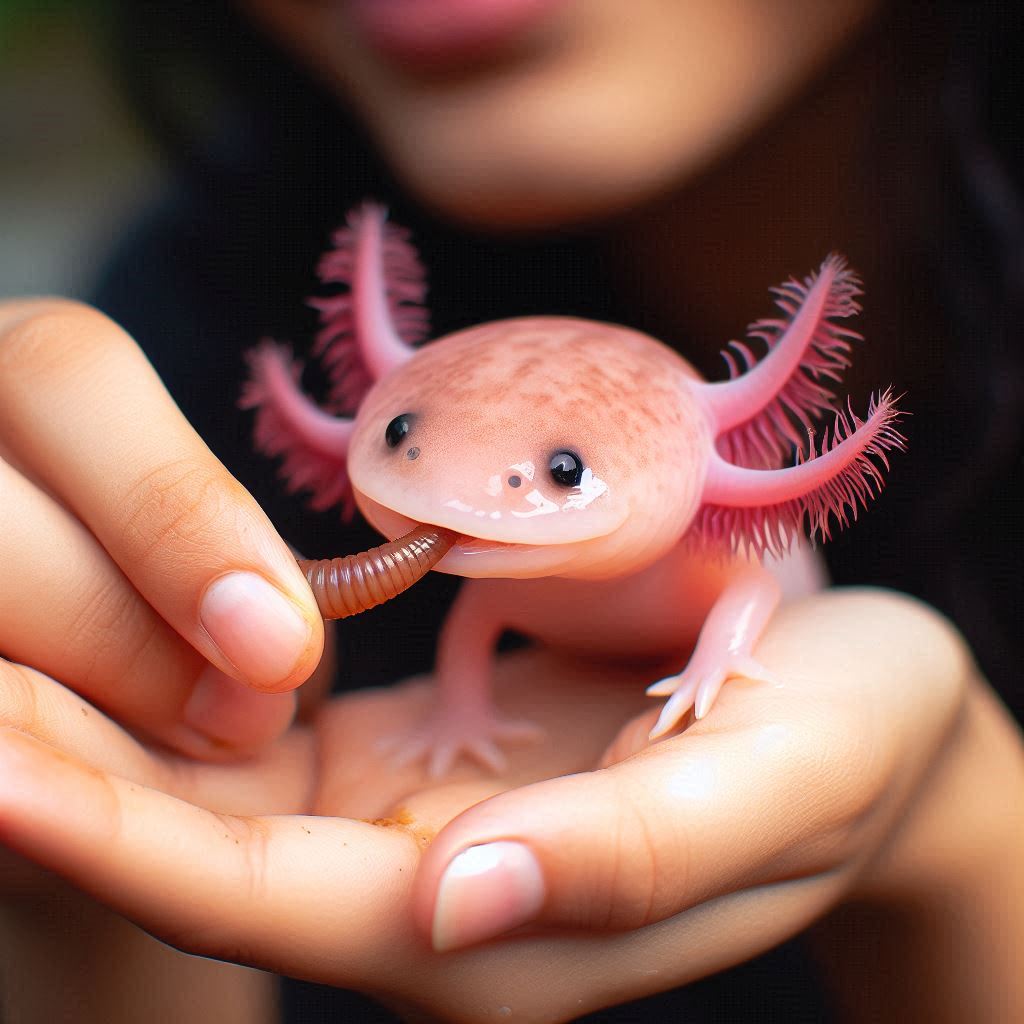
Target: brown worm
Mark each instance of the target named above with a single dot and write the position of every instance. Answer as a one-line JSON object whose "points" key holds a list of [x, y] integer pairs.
{"points": [[349, 585]]}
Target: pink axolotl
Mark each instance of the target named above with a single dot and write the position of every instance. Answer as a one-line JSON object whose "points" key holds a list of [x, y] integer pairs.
{"points": [[584, 468]]}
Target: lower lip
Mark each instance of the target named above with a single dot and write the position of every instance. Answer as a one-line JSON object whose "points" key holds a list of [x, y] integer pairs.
{"points": [[437, 30]]}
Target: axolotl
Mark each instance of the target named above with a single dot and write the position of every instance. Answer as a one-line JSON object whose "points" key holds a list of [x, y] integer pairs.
{"points": [[576, 471]]}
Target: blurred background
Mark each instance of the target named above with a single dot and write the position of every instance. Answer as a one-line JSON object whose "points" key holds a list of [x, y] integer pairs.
{"points": [[74, 165]]}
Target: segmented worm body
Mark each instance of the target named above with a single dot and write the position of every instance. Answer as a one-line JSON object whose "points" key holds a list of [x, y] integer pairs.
{"points": [[349, 585]]}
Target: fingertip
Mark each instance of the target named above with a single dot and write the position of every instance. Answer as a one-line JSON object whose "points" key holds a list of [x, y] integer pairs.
{"points": [[40, 787], [486, 891], [264, 636], [596, 850], [491, 870]]}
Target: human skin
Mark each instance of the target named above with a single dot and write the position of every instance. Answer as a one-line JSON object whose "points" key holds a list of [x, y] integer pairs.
{"points": [[140, 528], [887, 800], [886, 727], [55, 966], [611, 102]]}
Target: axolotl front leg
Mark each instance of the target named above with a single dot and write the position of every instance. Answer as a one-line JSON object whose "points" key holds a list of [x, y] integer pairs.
{"points": [[725, 649], [726, 646], [654, 614], [465, 720]]}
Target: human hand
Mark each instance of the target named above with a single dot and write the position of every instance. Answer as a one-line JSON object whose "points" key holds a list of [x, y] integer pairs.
{"points": [[329, 764], [133, 567], [673, 861]]}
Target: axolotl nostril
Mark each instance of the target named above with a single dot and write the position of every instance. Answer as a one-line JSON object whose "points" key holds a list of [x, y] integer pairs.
{"points": [[578, 471]]}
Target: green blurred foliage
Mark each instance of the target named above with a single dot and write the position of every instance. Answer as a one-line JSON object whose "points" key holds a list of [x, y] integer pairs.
{"points": [[21, 20], [12, 11]]}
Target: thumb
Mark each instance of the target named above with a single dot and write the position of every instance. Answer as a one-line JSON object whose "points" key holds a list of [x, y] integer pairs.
{"points": [[678, 824], [784, 783]]}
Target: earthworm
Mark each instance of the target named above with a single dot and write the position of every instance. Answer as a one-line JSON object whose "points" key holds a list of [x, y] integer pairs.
{"points": [[349, 585]]}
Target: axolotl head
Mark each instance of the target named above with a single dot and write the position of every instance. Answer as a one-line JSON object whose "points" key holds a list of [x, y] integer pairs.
{"points": [[551, 445]]}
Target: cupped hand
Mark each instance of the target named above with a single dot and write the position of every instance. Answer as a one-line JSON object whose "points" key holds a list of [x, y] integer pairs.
{"points": [[133, 566], [599, 870]]}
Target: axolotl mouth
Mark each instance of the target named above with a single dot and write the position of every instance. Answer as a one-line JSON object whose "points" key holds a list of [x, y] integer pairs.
{"points": [[475, 556], [355, 583]]}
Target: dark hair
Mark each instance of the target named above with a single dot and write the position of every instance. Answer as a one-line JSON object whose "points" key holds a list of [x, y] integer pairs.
{"points": [[979, 503]]}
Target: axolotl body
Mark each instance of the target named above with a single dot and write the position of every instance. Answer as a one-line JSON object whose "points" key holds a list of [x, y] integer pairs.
{"points": [[586, 468]]}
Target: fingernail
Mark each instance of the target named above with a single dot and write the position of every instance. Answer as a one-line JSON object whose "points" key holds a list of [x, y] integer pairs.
{"points": [[486, 891], [229, 715], [255, 626]]}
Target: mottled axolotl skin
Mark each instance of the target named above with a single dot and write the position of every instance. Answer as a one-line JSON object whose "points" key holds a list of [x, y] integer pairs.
{"points": [[607, 500], [489, 408]]}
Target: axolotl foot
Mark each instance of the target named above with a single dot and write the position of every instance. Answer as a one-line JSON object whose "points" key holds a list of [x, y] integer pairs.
{"points": [[447, 734], [724, 650], [699, 684]]}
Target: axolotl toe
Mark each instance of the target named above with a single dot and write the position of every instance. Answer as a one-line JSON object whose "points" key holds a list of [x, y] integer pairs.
{"points": [[580, 471]]}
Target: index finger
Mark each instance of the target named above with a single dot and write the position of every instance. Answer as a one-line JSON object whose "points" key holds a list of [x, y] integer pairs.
{"points": [[295, 894], [85, 414]]}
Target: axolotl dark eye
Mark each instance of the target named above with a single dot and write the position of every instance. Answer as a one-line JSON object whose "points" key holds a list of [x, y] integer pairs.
{"points": [[566, 469], [397, 430]]}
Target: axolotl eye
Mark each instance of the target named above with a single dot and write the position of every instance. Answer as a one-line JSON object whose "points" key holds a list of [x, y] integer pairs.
{"points": [[566, 469], [396, 431]]}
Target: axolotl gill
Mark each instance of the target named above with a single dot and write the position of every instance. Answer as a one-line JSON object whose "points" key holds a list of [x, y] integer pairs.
{"points": [[580, 473]]}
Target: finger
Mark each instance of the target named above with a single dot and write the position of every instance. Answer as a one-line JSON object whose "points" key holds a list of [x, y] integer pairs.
{"points": [[780, 783], [616, 849], [210, 883], [68, 610], [326, 900], [83, 411], [322, 899], [276, 781], [34, 704]]}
